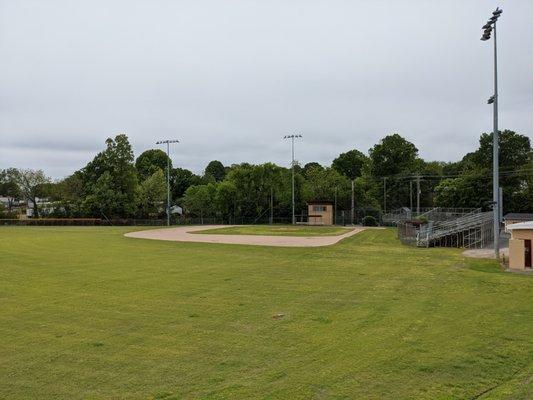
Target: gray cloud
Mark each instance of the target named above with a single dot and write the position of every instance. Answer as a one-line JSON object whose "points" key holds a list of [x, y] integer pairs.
{"points": [[230, 78]]}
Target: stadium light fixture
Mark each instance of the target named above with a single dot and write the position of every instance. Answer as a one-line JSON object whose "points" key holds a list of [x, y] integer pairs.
{"points": [[292, 137], [490, 27], [167, 142]]}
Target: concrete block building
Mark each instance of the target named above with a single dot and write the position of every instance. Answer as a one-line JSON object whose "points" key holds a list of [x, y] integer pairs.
{"points": [[520, 254], [320, 213]]}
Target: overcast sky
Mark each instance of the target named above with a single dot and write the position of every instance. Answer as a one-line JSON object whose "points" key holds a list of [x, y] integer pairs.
{"points": [[230, 78]]}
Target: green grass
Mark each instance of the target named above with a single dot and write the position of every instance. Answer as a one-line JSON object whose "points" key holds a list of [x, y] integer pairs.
{"points": [[86, 313], [278, 230]]}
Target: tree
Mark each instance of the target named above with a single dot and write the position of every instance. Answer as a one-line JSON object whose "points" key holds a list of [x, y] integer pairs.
{"points": [[309, 166], [350, 164], [8, 186], [68, 196], [199, 200], [391, 160], [225, 199], [474, 181], [393, 155], [111, 173], [104, 199], [180, 180], [514, 150], [256, 183], [322, 183], [215, 170], [31, 185], [150, 161], [468, 191], [151, 194]]}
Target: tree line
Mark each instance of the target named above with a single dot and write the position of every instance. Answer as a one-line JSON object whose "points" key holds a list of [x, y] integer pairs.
{"points": [[116, 185]]}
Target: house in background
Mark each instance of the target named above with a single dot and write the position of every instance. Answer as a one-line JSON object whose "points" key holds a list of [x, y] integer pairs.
{"points": [[514, 218], [520, 254], [320, 213]]}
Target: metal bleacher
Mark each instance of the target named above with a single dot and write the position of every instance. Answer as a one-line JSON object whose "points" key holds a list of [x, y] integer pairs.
{"points": [[448, 228]]}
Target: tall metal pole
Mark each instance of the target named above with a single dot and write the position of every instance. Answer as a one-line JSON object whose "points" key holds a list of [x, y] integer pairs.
{"points": [[495, 157], [168, 183], [293, 207], [335, 208], [418, 195], [353, 204], [271, 205], [292, 137], [385, 194], [494, 100], [411, 195], [167, 142]]}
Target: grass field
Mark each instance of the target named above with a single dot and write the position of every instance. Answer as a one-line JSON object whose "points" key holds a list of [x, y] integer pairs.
{"points": [[278, 230], [86, 313]]}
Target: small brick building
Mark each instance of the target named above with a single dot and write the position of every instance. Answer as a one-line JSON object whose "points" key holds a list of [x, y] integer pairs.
{"points": [[320, 213], [520, 254]]}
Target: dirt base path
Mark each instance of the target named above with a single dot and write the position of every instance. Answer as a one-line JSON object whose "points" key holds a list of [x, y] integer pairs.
{"points": [[485, 253], [182, 234]]}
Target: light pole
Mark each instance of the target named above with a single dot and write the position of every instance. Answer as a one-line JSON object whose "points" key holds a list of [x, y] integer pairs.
{"points": [[292, 137], [167, 142], [487, 29]]}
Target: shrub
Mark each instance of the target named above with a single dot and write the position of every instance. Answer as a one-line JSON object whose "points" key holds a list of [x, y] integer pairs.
{"points": [[370, 221], [422, 220]]}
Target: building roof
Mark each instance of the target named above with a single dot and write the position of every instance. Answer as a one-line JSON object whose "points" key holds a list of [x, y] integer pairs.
{"points": [[521, 225], [319, 202], [519, 216]]}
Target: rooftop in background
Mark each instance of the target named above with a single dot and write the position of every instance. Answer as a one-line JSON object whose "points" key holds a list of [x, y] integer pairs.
{"points": [[519, 216], [521, 225]]}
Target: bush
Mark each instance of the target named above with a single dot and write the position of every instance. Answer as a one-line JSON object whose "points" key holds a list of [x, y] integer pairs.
{"points": [[422, 220], [4, 214], [370, 221]]}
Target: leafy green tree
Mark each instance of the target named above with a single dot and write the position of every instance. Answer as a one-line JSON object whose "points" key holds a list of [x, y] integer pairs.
{"points": [[9, 187], [393, 155], [256, 183], [225, 199], [151, 194], [150, 161], [391, 161], [68, 195], [350, 164], [111, 178], [104, 199], [180, 180], [514, 151], [323, 183], [199, 200], [310, 166], [31, 184], [468, 191], [473, 187], [215, 170]]}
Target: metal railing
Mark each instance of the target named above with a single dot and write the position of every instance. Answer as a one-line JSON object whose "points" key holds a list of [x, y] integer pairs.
{"points": [[470, 230]]}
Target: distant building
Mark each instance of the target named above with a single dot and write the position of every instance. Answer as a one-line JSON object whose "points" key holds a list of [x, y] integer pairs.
{"points": [[520, 254], [320, 213], [513, 218]]}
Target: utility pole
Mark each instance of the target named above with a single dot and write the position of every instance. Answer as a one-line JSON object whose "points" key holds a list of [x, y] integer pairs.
{"points": [[353, 204], [418, 195], [488, 28], [292, 137], [167, 142], [411, 195], [385, 194], [335, 208], [271, 206]]}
